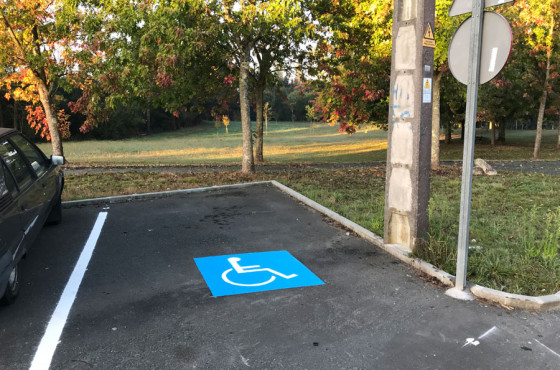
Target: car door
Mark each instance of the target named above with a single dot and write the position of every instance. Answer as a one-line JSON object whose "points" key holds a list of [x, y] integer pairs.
{"points": [[24, 178], [44, 187], [11, 231]]}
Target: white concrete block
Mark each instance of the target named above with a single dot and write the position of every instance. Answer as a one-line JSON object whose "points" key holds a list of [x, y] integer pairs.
{"points": [[400, 190], [405, 51], [402, 143]]}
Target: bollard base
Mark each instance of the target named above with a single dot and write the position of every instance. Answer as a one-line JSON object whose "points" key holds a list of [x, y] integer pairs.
{"points": [[463, 295]]}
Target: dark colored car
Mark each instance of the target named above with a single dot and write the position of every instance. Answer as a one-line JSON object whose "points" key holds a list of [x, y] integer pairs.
{"points": [[30, 195]]}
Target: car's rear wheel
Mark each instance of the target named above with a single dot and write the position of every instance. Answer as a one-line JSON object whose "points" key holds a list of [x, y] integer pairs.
{"points": [[12, 290]]}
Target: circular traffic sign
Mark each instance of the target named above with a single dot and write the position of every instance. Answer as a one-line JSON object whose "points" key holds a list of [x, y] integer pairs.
{"points": [[496, 46]]}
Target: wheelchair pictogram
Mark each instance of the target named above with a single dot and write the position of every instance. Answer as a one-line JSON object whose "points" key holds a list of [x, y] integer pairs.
{"points": [[243, 273], [234, 262]]}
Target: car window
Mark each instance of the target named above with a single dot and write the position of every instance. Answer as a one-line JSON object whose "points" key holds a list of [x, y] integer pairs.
{"points": [[15, 162], [7, 184], [36, 158], [3, 187]]}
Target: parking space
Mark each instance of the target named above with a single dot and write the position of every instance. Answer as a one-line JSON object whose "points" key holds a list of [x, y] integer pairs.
{"points": [[144, 304]]}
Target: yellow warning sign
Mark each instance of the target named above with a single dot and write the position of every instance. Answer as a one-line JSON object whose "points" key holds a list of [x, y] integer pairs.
{"points": [[427, 84], [429, 40]]}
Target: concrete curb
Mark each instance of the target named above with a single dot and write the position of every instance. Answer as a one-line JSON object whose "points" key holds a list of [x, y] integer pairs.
{"points": [[543, 303], [392, 249], [163, 194]]}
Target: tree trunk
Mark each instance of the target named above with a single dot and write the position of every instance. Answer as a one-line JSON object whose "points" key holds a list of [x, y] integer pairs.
{"points": [[1, 113], [493, 134], [292, 109], [542, 106], [259, 93], [448, 133], [463, 131], [502, 133], [148, 121], [15, 125], [558, 143], [247, 164], [436, 119], [52, 120]]}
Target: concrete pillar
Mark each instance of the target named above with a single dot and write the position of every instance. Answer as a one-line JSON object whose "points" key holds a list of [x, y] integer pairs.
{"points": [[410, 120]]}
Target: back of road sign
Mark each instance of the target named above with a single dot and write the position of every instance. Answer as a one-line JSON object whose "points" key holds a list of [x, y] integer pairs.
{"points": [[465, 6], [496, 46]]}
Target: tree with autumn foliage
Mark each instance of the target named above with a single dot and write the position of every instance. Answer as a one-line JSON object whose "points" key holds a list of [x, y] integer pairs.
{"points": [[354, 62], [445, 27], [36, 44], [540, 21], [514, 93], [255, 37], [279, 48], [143, 53]]}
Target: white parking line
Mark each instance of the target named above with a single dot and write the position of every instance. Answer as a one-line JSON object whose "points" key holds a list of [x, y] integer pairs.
{"points": [[50, 340]]}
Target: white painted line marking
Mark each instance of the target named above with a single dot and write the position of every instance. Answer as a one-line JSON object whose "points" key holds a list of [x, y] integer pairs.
{"points": [[493, 57], [550, 350], [488, 332], [476, 342], [50, 340]]}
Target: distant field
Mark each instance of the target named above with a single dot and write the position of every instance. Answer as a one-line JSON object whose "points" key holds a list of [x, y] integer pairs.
{"points": [[286, 142], [204, 144], [519, 146]]}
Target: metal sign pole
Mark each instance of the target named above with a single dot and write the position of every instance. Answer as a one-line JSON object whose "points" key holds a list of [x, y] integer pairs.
{"points": [[468, 151]]}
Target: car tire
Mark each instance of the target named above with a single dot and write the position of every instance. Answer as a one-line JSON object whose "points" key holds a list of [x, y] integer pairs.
{"points": [[12, 289], [56, 212]]}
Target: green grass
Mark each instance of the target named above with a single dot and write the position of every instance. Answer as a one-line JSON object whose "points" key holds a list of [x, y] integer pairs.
{"points": [[286, 142], [204, 144], [514, 232], [515, 223], [519, 146]]}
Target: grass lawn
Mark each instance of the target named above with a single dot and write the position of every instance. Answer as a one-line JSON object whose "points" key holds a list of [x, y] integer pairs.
{"points": [[204, 144], [286, 142], [519, 146], [515, 223]]}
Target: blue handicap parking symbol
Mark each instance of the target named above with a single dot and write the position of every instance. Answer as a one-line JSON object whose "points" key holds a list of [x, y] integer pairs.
{"points": [[254, 272]]}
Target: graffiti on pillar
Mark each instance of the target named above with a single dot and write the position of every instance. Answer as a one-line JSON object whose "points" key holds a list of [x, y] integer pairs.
{"points": [[403, 97]]}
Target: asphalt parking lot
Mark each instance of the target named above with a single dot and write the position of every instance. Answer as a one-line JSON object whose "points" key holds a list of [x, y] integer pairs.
{"points": [[143, 302]]}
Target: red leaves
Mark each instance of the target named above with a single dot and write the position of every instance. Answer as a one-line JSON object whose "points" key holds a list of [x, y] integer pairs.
{"points": [[38, 121], [338, 87], [340, 53], [347, 128], [171, 60], [229, 80], [164, 80], [373, 95]]}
